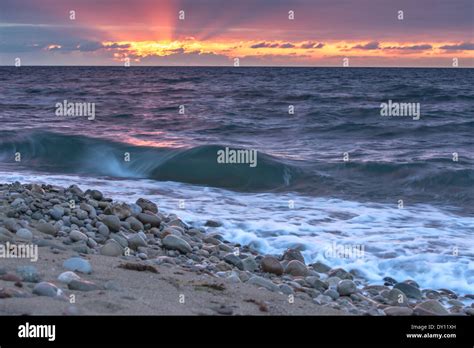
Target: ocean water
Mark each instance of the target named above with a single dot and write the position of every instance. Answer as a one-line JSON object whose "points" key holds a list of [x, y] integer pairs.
{"points": [[301, 193]]}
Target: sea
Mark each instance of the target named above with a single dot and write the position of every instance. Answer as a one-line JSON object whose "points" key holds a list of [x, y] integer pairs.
{"points": [[334, 173]]}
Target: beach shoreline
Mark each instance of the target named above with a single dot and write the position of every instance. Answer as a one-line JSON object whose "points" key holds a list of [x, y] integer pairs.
{"points": [[115, 258]]}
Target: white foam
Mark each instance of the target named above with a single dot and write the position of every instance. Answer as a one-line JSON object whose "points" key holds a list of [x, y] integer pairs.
{"points": [[418, 242]]}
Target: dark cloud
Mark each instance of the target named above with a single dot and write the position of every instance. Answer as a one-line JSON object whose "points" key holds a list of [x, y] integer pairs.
{"points": [[287, 45], [116, 45], [373, 45], [312, 45], [264, 45], [465, 46], [410, 48]]}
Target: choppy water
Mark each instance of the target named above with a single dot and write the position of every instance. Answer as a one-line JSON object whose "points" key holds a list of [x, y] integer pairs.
{"points": [[300, 156]]}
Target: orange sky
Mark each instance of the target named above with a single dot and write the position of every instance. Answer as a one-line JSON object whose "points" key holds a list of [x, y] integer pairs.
{"points": [[258, 32]]}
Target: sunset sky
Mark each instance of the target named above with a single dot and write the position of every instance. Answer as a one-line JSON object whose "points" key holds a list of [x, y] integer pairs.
{"points": [[258, 32]]}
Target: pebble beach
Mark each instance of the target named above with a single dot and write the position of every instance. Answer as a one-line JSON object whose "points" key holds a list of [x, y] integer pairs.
{"points": [[96, 255]]}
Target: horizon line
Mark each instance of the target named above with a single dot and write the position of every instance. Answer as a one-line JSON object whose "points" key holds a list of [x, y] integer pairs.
{"points": [[246, 66]]}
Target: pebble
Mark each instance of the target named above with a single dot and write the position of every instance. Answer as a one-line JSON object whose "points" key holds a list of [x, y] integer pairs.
{"points": [[5, 235], [293, 254], [112, 222], [77, 236], [430, 307], [322, 299], [103, 230], [46, 289], [135, 209], [333, 281], [224, 310], [175, 243], [9, 277], [46, 228], [111, 248], [135, 224], [398, 311], [67, 277], [83, 285], [234, 278], [389, 281], [409, 290], [78, 264], [316, 283], [81, 214], [121, 211], [249, 264], [346, 287], [96, 194], [397, 297], [296, 268], [136, 241], [270, 264], [24, 233], [28, 274], [146, 204], [234, 260], [332, 294], [320, 267], [153, 220], [340, 273], [286, 289], [264, 283], [212, 223], [11, 224]]}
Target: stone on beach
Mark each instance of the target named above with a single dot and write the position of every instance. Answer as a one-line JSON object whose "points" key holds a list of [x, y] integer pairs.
{"points": [[234, 260], [120, 210], [136, 241], [46, 289], [340, 273], [146, 204], [28, 274], [270, 264], [83, 285], [24, 233], [46, 228], [397, 297], [57, 212], [111, 248], [430, 307], [77, 236], [212, 223], [398, 311], [96, 194], [346, 287], [135, 224], [316, 283], [11, 225], [296, 268], [67, 277], [293, 254], [175, 243], [264, 283], [320, 267], [153, 220], [409, 290], [249, 264], [78, 264], [112, 222]]}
